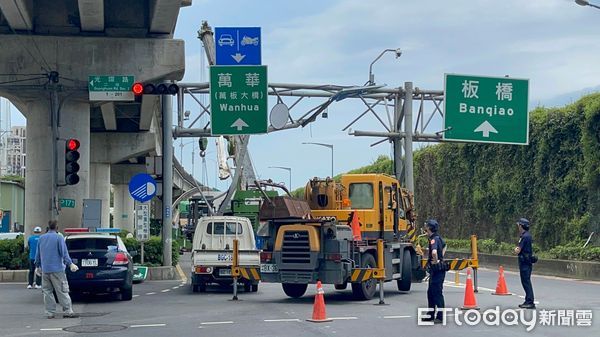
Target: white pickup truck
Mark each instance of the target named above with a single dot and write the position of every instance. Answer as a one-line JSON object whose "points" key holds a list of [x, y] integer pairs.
{"points": [[212, 255]]}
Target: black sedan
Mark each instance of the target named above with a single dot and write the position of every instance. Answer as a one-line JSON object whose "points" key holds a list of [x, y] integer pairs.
{"points": [[104, 264]]}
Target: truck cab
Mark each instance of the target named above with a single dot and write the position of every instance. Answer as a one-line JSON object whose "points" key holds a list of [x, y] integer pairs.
{"points": [[212, 254]]}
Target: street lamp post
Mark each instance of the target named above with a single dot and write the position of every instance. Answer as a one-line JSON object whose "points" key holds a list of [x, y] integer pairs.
{"points": [[325, 145], [181, 146], [398, 53], [289, 169], [586, 3]]}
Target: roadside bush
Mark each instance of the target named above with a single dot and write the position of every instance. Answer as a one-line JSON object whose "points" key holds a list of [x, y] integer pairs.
{"points": [[152, 251], [575, 253], [487, 246], [571, 251], [13, 255], [457, 245]]}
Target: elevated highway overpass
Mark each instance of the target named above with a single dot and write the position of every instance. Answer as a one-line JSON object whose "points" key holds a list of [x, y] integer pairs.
{"points": [[49, 48]]}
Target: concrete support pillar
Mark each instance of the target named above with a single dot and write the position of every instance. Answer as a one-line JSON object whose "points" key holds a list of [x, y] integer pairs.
{"points": [[100, 189], [74, 122], [123, 216]]}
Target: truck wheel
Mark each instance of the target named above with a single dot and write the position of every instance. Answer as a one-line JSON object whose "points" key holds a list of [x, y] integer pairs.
{"points": [[294, 290], [405, 282], [341, 286], [255, 287], [365, 290], [194, 288]]}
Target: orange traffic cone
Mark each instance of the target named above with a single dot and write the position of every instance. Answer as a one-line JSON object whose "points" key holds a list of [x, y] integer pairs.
{"points": [[501, 285], [355, 224], [319, 315], [469, 302]]}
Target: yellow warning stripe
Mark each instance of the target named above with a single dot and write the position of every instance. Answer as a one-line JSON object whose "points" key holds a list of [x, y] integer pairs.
{"points": [[249, 273], [361, 275], [456, 264]]}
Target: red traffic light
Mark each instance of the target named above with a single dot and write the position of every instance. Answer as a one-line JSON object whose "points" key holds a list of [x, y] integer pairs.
{"points": [[72, 144], [137, 89]]}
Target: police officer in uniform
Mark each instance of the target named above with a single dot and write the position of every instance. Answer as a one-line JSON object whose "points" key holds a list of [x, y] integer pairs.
{"points": [[437, 271], [525, 254]]}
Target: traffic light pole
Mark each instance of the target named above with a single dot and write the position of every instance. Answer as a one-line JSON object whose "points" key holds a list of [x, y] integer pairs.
{"points": [[167, 185], [54, 120]]}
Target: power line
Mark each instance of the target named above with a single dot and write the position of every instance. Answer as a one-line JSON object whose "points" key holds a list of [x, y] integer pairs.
{"points": [[23, 80], [23, 74], [30, 35], [47, 67]]}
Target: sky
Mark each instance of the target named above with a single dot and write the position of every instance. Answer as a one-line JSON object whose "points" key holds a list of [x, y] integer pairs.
{"points": [[553, 43]]}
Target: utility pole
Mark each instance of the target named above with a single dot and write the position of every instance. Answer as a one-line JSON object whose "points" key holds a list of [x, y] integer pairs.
{"points": [[167, 163], [408, 139], [397, 141], [55, 105]]}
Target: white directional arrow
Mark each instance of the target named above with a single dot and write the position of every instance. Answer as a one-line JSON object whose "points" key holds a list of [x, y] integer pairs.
{"points": [[92, 83], [238, 57], [485, 128], [239, 124]]}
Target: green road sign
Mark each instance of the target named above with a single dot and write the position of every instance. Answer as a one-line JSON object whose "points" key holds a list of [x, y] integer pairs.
{"points": [[238, 99], [139, 273], [67, 203], [110, 87], [486, 109]]}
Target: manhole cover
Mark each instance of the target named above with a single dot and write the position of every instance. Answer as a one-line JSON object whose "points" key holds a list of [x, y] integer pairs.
{"points": [[92, 314], [93, 328]]}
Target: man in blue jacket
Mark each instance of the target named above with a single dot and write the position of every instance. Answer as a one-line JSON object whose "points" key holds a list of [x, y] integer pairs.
{"points": [[52, 257], [32, 242]]}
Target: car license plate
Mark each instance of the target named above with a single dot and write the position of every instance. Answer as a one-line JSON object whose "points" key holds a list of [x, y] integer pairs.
{"points": [[89, 262], [224, 272], [224, 257], [269, 268]]}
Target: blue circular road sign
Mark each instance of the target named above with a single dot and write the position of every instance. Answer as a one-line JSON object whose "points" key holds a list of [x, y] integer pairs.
{"points": [[142, 187]]}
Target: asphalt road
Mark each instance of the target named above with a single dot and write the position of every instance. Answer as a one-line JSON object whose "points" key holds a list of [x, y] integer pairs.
{"points": [[169, 308]]}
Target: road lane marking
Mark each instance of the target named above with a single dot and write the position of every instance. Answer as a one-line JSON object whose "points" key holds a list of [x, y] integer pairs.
{"points": [[147, 325], [400, 316], [283, 320], [152, 293], [52, 329], [136, 296], [181, 274], [523, 297], [342, 318], [216, 323], [165, 291], [175, 287]]}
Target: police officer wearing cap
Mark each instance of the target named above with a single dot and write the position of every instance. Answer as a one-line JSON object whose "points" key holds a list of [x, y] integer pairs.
{"points": [[526, 259], [437, 272]]}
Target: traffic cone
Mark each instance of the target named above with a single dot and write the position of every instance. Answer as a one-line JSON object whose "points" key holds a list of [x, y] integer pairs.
{"points": [[501, 285], [319, 315], [355, 224], [469, 302]]}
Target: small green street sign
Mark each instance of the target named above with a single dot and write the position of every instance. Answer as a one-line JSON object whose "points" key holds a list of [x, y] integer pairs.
{"points": [[67, 203], [110, 87], [238, 99], [139, 273], [486, 109]]}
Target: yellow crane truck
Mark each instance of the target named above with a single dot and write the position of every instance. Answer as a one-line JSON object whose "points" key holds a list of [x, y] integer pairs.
{"points": [[311, 240]]}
